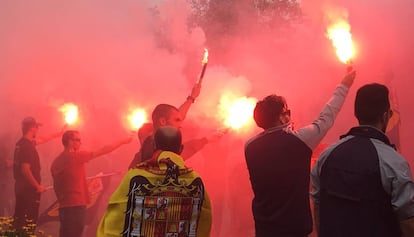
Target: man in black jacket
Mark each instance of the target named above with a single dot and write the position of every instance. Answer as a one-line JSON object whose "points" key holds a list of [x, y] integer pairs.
{"points": [[361, 185]]}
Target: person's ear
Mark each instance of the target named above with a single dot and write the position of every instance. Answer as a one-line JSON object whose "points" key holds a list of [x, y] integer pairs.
{"points": [[387, 115], [284, 118], [384, 117], [163, 121], [384, 121]]}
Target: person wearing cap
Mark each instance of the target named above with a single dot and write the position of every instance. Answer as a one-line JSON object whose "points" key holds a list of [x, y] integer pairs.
{"points": [[69, 181], [159, 197], [26, 170], [169, 115], [278, 161], [361, 185], [6, 174]]}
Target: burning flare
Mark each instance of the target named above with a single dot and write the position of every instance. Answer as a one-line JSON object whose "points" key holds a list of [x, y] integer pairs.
{"points": [[70, 112], [205, 57], [204, 65], [237, 112], [340, 34], [137, 118]]}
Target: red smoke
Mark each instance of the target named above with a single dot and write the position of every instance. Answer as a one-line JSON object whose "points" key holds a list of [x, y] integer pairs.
{"points": [[106, 57]]}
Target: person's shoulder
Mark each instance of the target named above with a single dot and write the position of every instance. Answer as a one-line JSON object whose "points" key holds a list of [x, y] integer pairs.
{"points": [[328, 149], [24, 142], [388, 154], [70, 155], [26, 146], [144, 169], [268, 134], [254, 139], [59, 162]]}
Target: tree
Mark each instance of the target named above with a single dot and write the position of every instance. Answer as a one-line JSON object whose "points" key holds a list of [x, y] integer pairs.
{"points": [[228, 17], [274, 13]]}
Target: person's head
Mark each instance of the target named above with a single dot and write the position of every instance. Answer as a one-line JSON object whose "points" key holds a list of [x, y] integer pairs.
{"points": [[271, 111], [165, 114], [30, 125], [168, 138], [372, 106], [71, 140]]}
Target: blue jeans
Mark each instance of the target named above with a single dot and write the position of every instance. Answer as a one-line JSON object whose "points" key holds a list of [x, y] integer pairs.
{"points": [[72, 221]]}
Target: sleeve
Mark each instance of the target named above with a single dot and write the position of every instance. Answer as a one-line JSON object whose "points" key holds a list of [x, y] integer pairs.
{"points": [[315, 177], [397, 180], [25, 154], [312, 134], [193, 146], [83, 156]]}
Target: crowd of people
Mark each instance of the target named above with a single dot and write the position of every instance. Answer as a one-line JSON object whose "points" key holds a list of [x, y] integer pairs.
{"points": [[360, 185]]}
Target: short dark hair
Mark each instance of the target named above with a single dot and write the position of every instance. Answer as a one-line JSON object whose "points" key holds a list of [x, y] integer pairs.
{"points": [[268, 110], [168, 138], [161, 111], [371, 102], [67, 136]]}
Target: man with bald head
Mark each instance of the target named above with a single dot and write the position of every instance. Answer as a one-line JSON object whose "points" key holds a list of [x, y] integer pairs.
{"points": [[168, 139], [163, 115], [159, 197]]}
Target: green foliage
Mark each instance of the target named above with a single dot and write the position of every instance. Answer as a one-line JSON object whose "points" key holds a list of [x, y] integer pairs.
{"points": [[10, 233], [223, 19], [275, 13], [7, 230], [220, 17]]}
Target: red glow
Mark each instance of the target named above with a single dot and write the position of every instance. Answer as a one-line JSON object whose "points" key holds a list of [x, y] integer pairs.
{"points": [[70, 112], [107, 55], [340, 34], [237, 112], [137, 117]]}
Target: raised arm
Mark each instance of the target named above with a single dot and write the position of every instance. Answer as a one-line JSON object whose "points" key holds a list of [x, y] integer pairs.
{"points": [[195, 92], [313, 133], [111, 147], [52, 136], [193, 146]]}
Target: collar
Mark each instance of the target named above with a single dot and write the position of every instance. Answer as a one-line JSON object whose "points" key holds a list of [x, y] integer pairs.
{"points": [[168, 154], [369, 132], [31, 140], [277, 128]]}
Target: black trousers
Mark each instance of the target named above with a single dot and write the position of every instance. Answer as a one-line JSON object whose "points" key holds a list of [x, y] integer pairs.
{"points": [[26, 211], [72, 221]]}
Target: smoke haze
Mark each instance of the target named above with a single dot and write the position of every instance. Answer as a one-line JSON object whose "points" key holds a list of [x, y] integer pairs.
{"points": [[108, 57]]}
